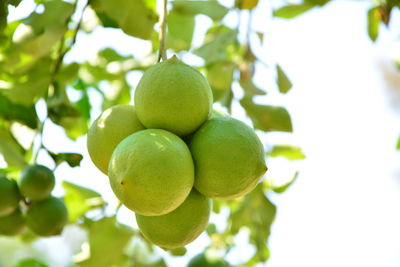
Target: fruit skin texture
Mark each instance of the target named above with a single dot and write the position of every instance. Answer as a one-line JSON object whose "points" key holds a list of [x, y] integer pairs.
{"points": [[229, 158], [37, 182], [12, 224], [47, 217], [179, 227], [173, 96], [110, 128], [9, 195], [151, 172]]}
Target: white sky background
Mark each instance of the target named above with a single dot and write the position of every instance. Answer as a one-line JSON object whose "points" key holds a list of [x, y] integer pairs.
{"points": [[344, 208]]}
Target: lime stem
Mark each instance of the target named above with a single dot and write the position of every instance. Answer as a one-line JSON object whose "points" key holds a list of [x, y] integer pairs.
{"points": [[163, 29]]}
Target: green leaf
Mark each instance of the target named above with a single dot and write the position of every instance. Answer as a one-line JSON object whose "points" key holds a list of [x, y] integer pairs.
{"points": [[398, 143], [134, 17], [210, 8], [181, 251], [246, 4], [373, 23], [284, 84], [257, 213], [180, 30], [14, 2], [287, 151], [3, 16], [12, 152], [250, 89], [282, 188], [15, 112], [218, 40], [31, 263], [107, 241], [79, 200], [266, 117], [73, 159], [292, 11]]}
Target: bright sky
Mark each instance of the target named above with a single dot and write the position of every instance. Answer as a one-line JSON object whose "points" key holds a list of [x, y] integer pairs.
{"points": [[344, 208]]}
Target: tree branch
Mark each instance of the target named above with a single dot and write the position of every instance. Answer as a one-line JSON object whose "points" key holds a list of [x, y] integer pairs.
{"points": [[162, 35]]}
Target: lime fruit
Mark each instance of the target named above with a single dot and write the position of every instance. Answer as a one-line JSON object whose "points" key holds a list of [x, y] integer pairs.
{"points": [[37, 182], [173, 96], [179, 227], [47, 217], [228, 157], [151, 172], [206, 260], [110, 128], [12, 224], [9, 195]]}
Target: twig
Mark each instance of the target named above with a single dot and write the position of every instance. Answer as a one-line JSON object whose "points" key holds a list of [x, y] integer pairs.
{"points": [[163, 29]]}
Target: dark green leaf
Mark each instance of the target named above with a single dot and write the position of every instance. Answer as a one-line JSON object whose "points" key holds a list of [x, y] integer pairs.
{"points": [[267, 118], [180, 30], [373, 23], [284, 84], [284, 187], [107, 241], [317, 2], [292, 11], [73, 159], [79, 200], [3, 17], [14, 2], [210, 8], [133, 17], [178, 251], [287, 151], [16, 112]]}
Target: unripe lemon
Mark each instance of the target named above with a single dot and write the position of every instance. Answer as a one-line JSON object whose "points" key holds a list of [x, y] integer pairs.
{"points": [[179, 227], [173, 96], [37, 182], [229, 158], [12, 224], [47, 217], [110, 128], [9, 195], [151, 172]]}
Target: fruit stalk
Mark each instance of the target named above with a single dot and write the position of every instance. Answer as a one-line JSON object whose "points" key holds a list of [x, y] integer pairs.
{"points": [[163, 29]]}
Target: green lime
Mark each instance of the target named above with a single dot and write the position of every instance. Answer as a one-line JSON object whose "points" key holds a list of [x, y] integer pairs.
{"points": [[173, 96], [9, 195], [37, 182], [179, 227], [12, 224], [151, 172], [110, 128], [229, 158]]}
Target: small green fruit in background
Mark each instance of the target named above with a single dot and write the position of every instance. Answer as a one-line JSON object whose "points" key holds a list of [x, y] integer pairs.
{"points": [[37, 182], [229, 158], [206, 260], [179, 227], [108, 130], [9, 195], [173, 96], [151, 172], [12, 224], [47, 217]]}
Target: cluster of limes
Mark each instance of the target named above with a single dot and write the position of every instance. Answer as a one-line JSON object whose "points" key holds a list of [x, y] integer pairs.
{"points": [[29, 203], [168, 154]]}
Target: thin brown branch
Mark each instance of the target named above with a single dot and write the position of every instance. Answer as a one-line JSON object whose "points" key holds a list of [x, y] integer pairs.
{"points": [[163, 30]]}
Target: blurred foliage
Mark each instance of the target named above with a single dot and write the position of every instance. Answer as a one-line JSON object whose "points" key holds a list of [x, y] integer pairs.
{"points": [[32, 68]]}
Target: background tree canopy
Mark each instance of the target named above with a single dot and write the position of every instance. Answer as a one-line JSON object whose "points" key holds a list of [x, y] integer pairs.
{"points": [[40, 85]]}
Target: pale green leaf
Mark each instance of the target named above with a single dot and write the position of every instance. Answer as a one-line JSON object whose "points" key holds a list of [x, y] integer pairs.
{"points": [[210, 8], [282, 188], [373, 23], [79, 200], [287, 151], [12, 152], [284, 84], [180, 30], [292, 11], [267, 117]]}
